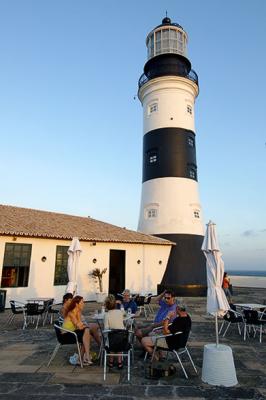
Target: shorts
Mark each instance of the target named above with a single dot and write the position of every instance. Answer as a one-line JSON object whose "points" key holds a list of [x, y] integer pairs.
{"points": [[69, 338], [161, 342]]}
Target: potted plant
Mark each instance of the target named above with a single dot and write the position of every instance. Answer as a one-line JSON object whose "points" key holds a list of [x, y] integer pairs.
{"points": [[97, 275]]}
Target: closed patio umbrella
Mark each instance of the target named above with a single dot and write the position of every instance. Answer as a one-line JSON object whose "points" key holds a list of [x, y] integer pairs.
{"points": [[72, 265], [217, 303], [218, 363]]}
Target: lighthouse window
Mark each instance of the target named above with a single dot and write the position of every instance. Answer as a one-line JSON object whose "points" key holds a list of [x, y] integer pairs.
{"points": [[152, 213], [173, 40], [158, 42], [192, 173], [153, 108], [152, 156], [189, 109], [152, 45], [165, 40], [196, 214], [191, 142]]}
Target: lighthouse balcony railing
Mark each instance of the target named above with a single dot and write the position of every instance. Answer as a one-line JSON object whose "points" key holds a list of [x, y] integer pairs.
{"points": [[191, 76]]}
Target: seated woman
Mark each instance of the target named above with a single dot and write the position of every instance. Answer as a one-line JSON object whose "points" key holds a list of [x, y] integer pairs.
{"points": [[182, 323], [113, 319], [93, 327], [73, 322]]}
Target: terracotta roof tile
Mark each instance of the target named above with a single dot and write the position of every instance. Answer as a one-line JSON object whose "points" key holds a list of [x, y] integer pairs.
{"points": [[17, 221]]}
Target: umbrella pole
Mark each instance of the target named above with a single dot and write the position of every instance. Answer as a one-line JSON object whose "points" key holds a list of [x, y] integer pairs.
{"points": [[216, 330]]}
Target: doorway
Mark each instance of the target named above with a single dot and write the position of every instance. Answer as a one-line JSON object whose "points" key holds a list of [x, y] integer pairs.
{"points": [[117, 271]]}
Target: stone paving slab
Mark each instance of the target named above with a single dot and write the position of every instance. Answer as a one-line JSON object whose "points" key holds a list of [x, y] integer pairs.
{"points": [[24, 355]]}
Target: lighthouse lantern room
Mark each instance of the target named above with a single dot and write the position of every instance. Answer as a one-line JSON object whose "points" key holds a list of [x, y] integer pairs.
{"points": [[170, 205]]}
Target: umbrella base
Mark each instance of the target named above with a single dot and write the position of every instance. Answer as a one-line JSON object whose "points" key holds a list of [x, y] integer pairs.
{"points": [[218, 365]]}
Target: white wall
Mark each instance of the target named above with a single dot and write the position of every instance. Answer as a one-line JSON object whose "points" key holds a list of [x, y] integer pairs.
{"points": [[176, 200], [173, 94], [139, 277]]}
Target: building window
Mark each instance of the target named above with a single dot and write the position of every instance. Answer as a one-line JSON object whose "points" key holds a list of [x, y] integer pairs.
{"points": [[192, 171], [60, 274], [196, 214], [189, 109], [152, 213], [152, 157], [191, 141], [16, 265], [153, 108]]}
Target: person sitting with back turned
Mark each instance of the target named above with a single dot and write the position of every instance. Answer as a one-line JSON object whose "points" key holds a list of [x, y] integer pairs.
{"points": [[127, 302], [166, 301], [181, 323], [113, 319]]}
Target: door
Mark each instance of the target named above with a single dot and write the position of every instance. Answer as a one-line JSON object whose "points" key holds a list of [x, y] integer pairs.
{"points": [[117, 271]]}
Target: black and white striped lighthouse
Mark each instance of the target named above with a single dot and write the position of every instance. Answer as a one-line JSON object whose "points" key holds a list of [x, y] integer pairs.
{"points": [[170, 205]]}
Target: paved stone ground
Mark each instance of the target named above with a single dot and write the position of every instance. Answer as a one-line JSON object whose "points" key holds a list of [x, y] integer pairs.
{"points": [[24, 355]]}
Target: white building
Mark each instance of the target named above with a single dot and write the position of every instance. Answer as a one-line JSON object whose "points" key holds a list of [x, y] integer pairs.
{"points": [[33, 255]]}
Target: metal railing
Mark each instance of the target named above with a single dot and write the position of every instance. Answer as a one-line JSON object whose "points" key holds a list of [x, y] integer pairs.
{"points": [[191, 76]]}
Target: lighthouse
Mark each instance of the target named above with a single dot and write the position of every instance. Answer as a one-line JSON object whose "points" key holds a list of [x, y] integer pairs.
{"points": [[170, 205]]}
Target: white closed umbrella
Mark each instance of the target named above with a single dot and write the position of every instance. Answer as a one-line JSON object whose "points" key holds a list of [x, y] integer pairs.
{"points": [[217, 303], [72, 265]]}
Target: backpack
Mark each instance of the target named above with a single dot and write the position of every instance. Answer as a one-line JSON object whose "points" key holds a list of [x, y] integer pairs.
{"points": [[159, 370]]}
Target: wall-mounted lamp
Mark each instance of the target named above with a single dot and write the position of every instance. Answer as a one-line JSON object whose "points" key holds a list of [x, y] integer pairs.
{"points": [[43, 259], [94, 260], [138, 262], [160, 262], [14, 238], [93, 243]]}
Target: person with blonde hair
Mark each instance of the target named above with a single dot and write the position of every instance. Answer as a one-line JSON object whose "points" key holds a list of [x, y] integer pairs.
{"points": [[113, 319]]}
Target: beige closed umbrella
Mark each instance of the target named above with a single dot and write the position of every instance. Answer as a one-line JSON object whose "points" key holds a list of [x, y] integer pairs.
{"points": [[74, 252], [218, 363], [217, 304]]}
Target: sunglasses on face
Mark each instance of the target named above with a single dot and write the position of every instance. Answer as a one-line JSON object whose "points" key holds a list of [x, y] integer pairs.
{"points": [[167, 298]]}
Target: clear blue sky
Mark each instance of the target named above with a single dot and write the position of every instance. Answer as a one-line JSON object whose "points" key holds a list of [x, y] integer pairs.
{"points": [[71, 131]]}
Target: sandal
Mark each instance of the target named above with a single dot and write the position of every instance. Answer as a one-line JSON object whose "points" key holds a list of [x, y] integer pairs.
{"points": [[87, 362]]}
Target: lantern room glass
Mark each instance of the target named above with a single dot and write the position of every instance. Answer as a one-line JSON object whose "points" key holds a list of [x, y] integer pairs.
{"points": [[166, 40]]}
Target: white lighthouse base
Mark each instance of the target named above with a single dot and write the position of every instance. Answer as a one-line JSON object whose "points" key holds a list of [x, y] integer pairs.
{"points": [[218, 366]]}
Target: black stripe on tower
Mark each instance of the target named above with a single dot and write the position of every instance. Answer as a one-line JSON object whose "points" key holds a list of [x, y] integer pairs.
{"points": [[169, 152], [186, 269]]}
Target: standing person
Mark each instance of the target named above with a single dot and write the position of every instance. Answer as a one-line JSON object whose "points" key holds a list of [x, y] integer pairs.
{"points": [[127, 302], [226, 284], [166, 301], [113, 319], [73, 322], [181, 323]]}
